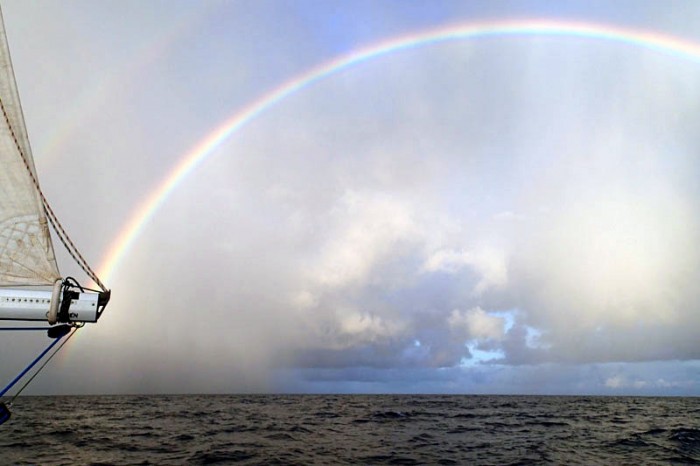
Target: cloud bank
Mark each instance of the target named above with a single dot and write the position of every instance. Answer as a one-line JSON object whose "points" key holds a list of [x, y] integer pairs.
{"points": [[504, 215], [504, 204]]}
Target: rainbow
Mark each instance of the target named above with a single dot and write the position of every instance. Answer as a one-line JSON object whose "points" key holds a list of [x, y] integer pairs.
{"points": [[140, 217]]}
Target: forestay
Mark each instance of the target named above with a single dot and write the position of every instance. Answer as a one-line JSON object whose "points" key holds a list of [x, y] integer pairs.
{"points": [[26, 252]]}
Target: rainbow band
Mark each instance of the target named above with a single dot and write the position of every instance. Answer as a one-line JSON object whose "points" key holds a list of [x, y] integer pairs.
{"points": [[654, 41]]}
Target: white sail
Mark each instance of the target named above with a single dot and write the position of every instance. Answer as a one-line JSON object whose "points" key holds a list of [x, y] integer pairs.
{"points": [[26, 251]]}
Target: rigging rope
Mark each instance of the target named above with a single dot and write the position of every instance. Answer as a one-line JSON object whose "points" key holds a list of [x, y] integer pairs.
{"points": [[58, 228], [29, 367], [12, 400]]}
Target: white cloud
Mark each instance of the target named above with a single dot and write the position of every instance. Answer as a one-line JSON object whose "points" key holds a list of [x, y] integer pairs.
{"points": [[367, 228], [622, 383], [412, 197], [477, 324], [368, 326], [615, 382], [489, 263]]}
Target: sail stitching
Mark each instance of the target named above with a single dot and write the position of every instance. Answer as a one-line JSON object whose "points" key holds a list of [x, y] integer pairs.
{"points": [[18, 231], [61, 233]]}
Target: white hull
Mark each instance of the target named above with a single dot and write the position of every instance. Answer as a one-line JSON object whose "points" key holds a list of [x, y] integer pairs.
{"points": [[32, 305]]}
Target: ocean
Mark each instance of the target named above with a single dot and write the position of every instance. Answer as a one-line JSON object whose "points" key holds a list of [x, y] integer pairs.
{"points": [[351, 429]]}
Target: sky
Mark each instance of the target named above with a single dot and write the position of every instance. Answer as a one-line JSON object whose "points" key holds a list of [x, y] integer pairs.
{"points": [[503, 213]]}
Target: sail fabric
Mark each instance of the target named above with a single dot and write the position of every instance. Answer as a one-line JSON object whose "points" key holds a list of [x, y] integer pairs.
{"points": [[26, 252]]}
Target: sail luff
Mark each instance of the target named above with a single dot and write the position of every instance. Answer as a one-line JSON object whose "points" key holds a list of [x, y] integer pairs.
{"points": [[26, 251]]}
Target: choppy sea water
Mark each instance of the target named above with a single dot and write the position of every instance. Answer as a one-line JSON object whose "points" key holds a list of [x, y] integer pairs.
{"points": [[351, 429]]}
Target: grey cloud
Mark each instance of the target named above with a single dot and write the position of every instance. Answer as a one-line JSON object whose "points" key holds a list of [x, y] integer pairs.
{"points": [[346, 237], [315, 249]]}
